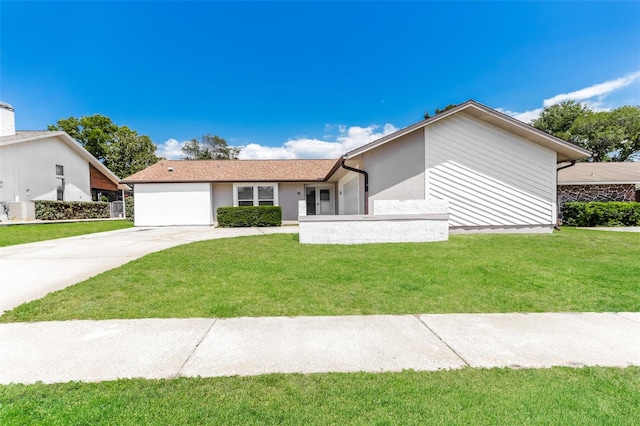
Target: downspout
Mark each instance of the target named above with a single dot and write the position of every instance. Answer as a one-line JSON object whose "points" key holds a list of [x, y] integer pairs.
{"points": [[571, 164], [366, 182]]}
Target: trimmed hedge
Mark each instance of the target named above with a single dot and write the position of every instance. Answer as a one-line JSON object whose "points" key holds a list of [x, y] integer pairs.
{"points": [[62, 210], [595, 213], [129, 211], [233, 217]]}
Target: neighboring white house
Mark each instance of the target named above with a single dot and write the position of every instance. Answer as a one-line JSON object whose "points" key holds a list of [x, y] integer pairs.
{"points": [[49, 165], [496, 173]]}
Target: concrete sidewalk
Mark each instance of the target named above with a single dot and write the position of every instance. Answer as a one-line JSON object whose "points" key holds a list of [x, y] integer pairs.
{"points": [[30, 271], [168, 348]]}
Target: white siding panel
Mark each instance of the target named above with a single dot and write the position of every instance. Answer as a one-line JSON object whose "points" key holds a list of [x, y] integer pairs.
{"points": [[489, 176]]}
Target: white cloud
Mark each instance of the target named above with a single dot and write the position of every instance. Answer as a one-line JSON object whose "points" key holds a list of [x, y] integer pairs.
{"points": [[253, 151], [341, 140], [597, 90], [346, 140], [528, 116], [594, 96], [171, 149]]}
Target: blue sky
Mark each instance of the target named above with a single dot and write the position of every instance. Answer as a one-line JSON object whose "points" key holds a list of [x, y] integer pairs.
{"points": [[308, 79]]}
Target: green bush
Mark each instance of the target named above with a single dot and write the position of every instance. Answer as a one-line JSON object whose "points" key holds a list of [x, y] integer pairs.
{"points": [[611, 213], [234, 217], [62, 210], [129, 211]]}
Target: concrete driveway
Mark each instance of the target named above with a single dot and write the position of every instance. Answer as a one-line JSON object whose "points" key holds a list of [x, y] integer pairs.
{"points": [[30, 271]]}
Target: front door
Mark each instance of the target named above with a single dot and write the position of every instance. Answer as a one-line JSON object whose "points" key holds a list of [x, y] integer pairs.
{"points": [[319, 200]]}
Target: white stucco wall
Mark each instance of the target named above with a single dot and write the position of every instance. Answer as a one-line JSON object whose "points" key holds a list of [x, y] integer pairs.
{"points": [[361, 229], [167, 204], [222, 197], [28, 171], [396, 169], [7, 120], [489, 176], [398, 221], [289, 193], [395, 207]]}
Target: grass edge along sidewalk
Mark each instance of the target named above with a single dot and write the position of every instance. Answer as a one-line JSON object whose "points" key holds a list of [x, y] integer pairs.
{"points": [[558, 396]]}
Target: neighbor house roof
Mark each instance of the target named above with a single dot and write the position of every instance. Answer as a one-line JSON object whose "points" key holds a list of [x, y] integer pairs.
{"points": [[22, 137], [235, 171], [566, 151], [600, 173]]}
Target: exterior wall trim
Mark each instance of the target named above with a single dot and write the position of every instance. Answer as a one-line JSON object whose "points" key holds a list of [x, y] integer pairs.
{"points": [[374, 218]]}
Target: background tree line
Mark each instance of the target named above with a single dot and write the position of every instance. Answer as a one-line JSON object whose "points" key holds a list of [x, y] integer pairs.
{"points": [[120, 149], [611, 135], [125, 152]]}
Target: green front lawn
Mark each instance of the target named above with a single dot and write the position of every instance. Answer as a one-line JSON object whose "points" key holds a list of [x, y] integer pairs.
{"points": [[274, 275], [556, 396], [22, 234]]}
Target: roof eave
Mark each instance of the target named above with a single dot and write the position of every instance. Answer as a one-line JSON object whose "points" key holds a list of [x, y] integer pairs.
{"points": [[133, 182], [28, 138], [600, 182]]}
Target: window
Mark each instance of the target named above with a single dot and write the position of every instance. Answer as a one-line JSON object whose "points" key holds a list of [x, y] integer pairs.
{"points": [[255, 194], [245, 195], [265, 195], [60, 182], [60, 189]]}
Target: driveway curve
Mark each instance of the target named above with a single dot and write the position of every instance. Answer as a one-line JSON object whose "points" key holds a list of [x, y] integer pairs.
{"points": [[30, 271]]}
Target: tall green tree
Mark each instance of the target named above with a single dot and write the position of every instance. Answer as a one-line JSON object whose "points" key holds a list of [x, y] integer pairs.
{"points": [[209, 147], [93, 132], [596, 132], [119, 148], [558, 119], [129, 152], [610, 135], [628, 118]]}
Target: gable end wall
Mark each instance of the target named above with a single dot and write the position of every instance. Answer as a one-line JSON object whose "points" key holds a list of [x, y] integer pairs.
{"points": [[28, 171], [490, 176], [396, 169]]}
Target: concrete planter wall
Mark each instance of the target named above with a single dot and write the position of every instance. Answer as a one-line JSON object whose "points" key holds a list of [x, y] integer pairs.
{"points": [[22, 210], [399, 221]]}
